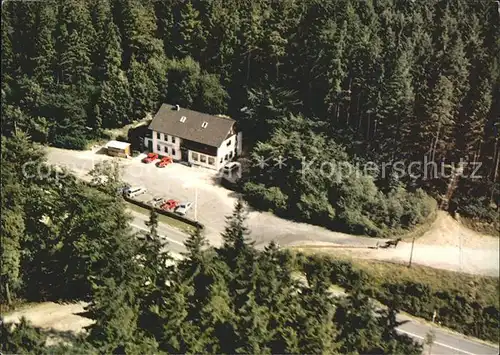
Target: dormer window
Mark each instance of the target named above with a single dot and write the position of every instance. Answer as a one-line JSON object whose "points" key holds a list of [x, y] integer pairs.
{"points": [[204, 124], [183, 119]]}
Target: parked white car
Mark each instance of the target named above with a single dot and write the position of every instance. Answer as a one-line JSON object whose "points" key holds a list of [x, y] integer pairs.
{"points": [[99, 180], [135, 191], [232, 170], [183, 208]]}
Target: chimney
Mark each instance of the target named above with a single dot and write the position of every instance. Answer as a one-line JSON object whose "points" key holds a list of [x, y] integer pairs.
{"points": [[177, 107]]}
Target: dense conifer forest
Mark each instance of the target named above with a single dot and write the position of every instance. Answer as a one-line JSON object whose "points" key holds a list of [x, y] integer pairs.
{"points": [[63, 240], [347, 82], [382, 80]]}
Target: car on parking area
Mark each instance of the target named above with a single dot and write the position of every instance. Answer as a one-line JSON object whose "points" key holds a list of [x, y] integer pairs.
{"points": [[164, 162], [183, 208], [151, 157], [99, 180], [169, 205], [134, 191], [122, 189], [232, 169], [157, 201]]}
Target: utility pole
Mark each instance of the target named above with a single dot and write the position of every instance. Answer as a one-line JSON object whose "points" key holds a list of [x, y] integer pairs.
{"points": [[411, 253], [196, 203]]}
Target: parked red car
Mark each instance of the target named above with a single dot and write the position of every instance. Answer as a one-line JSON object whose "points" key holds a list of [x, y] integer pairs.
{"points": [[170, 205], [164, 162], [150, 158]]}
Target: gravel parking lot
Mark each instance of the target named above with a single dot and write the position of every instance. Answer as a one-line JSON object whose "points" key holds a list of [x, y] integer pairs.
{"points": [[214, 203]]}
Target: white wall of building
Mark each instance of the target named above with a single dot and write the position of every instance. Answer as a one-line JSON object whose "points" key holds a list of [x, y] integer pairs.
{"points": [[165, 145], [226, 151], [207, 161], [168, 145]]}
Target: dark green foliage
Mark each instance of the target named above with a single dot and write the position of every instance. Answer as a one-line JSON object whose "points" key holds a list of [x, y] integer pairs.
{"points": [[464, 312], [388, 81], [318, 183], [21, 338], [234, 299], [379, 80], [191, 87]]}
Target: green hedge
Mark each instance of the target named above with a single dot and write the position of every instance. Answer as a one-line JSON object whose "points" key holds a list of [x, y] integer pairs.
{"points": [[469, 314]]}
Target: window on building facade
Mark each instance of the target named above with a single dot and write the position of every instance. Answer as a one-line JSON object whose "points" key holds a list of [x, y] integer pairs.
{"points": [[157, 135], [203, 158], [173, 139], [221, 159], [211, 161], [225, 158], [165, 149], [228, 143], [173, 151], [231, 155], [194, 156]]}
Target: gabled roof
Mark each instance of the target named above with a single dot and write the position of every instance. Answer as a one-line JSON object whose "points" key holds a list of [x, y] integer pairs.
{"points": [[197, 127]]}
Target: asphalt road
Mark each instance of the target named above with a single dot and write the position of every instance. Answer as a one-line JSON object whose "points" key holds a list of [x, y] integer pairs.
{"points": [[446, 342], [213, 203], [214, 206], [173, 238]]}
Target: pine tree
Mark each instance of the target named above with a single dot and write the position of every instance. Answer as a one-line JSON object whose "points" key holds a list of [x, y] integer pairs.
{"points": [[74, 36], [470, 127], [44, 50], [137, 23], [358, 328], [190, 39], [8, 59], [440, 111], [23, 20], [194, 245], [235, 236], [107, 55], [12, 223], [152, 223], [156, 260], [21, 338], [144, 94], [115, 313], [397, 110], [164, 11], [115, 101]]}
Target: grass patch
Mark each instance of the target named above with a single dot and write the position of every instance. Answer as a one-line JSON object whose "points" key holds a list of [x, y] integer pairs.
{"points": [[465, 303], [114, 133], [482, 227], [16, 305], [484, 289], [164, 219], [420, 229]]}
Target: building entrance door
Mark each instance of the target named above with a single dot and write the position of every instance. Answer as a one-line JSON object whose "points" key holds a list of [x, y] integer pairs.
{"points": [[184, 154]]}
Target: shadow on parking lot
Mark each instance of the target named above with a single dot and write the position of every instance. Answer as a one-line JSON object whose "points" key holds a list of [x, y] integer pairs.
{"points": [[102, 151]]}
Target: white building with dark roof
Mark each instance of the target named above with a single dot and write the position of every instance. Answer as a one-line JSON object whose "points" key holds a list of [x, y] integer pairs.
{"points": [[198, 138]]}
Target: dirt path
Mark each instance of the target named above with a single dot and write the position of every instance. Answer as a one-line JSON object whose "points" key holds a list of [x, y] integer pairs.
{"points": [[447, 231], [446, 245], [53, 316]]}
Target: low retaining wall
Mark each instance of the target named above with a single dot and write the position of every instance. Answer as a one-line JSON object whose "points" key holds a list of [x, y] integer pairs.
{"points": [[166, 213], [159, 210]]}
